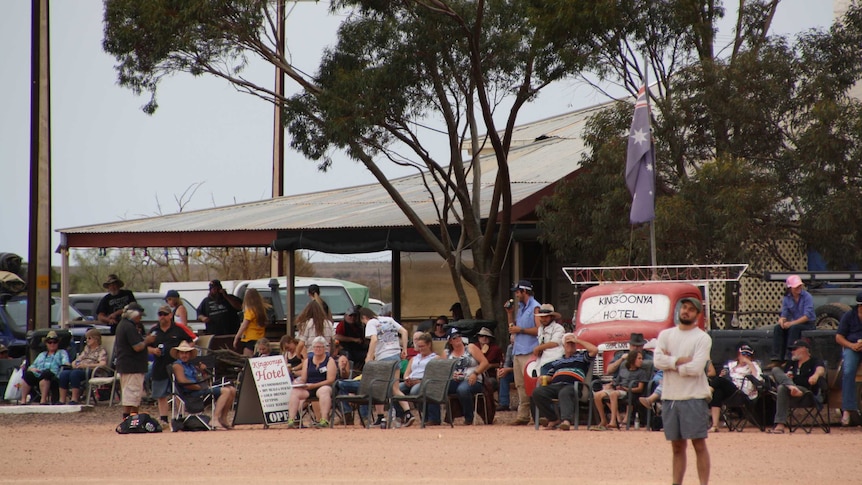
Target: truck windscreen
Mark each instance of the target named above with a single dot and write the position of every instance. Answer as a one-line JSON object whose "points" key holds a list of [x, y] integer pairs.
{"points": [[625, 306]]}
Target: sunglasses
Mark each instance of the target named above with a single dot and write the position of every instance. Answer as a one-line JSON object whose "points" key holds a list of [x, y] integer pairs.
{"points": [[52, 341], [163, 314]]}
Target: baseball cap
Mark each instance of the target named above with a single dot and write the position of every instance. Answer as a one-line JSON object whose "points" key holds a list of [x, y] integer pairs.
{"points": [[453, 332], [800, 343], [746, 350], [859, 298], [134, 306], [215, 284], [793, 281], [172, 294], [694, 301]]}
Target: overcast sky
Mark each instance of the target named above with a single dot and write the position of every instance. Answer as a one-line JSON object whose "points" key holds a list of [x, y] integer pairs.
{"points": [[110, 161]]}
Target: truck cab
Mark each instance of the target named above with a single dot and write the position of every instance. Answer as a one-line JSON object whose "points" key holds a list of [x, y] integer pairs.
{"points": [[609, 313]]}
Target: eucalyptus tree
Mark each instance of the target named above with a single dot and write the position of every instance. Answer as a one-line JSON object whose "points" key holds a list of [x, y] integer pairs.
{"points": [[401, 76]]}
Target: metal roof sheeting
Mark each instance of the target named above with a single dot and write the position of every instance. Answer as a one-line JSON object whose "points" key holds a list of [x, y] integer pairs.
{"points": [[534, 165]]}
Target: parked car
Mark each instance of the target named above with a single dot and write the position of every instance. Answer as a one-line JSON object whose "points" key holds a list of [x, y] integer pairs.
{"points": [[87, 303], [13, 323], [375, 305]]}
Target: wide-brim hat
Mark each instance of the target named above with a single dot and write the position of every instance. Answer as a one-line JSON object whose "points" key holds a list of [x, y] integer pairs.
{"points": [[637, 339], [52, 335], [486, 332], [184, 347], [548, 309], [522, 285], [112, 278]]}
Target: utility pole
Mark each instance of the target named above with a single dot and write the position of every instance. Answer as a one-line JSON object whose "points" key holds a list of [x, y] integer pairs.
{"points": [[39, 250]]}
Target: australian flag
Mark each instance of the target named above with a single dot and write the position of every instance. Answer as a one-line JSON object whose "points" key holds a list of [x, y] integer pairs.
{"points": [[640, 163]]}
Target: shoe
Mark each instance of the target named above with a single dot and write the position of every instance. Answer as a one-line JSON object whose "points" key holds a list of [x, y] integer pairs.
{"points": [[543, 422], [73, 403], [845, 420], [380, 421], [565, 426], [520, 422], [409, 419], [598, 428], [322, 424], [291, 424]]}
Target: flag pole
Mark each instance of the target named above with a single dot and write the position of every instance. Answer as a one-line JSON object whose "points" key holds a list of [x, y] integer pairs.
{"points": [[652, 222]]}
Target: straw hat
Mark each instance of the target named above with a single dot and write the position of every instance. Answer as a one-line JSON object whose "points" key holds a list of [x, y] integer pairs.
{"points": [[184, 347]]}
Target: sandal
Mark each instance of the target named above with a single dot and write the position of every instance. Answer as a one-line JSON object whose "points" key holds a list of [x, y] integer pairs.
{"points": [[598, 428], [564, 426], [776, 431], [714, 429]]}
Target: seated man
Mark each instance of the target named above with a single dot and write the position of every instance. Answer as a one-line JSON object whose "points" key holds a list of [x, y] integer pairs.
{"points": [[572, 367], [800, 375], [849, 337], [192, 380]]}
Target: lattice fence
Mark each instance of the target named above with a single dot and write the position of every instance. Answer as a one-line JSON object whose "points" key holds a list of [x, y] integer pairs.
{"points": [[759, 301]]}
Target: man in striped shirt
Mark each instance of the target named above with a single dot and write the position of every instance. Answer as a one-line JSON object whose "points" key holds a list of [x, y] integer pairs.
{"points": [[572, 367]]}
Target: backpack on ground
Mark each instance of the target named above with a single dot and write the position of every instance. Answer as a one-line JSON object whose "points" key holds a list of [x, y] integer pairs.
{"points": [[139, 423]]}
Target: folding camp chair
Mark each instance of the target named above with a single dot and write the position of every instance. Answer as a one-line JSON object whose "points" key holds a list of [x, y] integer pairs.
{"points": [[107, 377], [375, 387], [188, 407], [433, 389], [807, 411], [737, 410]]}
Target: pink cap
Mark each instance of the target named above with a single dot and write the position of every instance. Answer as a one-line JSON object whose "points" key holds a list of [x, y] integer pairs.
{"points": [[793, 281]]}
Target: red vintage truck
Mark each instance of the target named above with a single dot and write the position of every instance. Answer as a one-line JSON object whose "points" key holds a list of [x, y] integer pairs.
{"points": [[619, 301], [615, 302], [608, 314]]}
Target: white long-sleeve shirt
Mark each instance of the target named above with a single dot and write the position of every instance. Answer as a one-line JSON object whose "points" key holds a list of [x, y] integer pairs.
{"points": [[688, 381]]}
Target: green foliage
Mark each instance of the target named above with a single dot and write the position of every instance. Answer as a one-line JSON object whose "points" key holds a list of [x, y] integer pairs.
{"points": [[752, 147]]}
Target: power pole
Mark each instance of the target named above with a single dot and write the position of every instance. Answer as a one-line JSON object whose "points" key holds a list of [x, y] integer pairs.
{"points": [[39, 251]]}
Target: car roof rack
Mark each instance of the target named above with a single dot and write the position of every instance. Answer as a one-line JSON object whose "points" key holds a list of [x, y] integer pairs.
{"points": [[818, 277]]}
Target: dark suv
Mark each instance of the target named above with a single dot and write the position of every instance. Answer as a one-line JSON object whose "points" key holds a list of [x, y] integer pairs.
{"points": [[13, 323], [834, 293]]}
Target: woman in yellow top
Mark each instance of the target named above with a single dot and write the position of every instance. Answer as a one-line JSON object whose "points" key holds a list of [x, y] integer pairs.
{"points": [[254, 322]]}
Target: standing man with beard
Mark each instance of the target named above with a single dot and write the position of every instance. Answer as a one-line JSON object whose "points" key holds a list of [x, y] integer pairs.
{"points": [[682, 354], [522, 324], [111, 306], [219, 311]]}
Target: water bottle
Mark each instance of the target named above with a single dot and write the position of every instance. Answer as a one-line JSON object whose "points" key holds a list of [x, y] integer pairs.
{"points": [[637, 421]]}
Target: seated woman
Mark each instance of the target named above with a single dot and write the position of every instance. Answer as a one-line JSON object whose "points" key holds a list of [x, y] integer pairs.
{"points": [[288, 346], [262, 348], [318, 375], [45, 369], [631, 378], [192, 379], [93, 355], [467, 377], [731, 378]]}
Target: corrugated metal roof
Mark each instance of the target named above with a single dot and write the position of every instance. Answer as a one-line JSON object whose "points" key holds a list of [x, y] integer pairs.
{"points": [[533, 164]]}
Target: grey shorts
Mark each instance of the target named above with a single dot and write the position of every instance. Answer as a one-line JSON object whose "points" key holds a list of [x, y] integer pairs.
{"points": [[685, 420], [160, 388]]}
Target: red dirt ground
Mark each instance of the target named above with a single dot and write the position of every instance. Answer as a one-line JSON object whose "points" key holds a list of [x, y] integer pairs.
{"points": [[87, 450]]}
